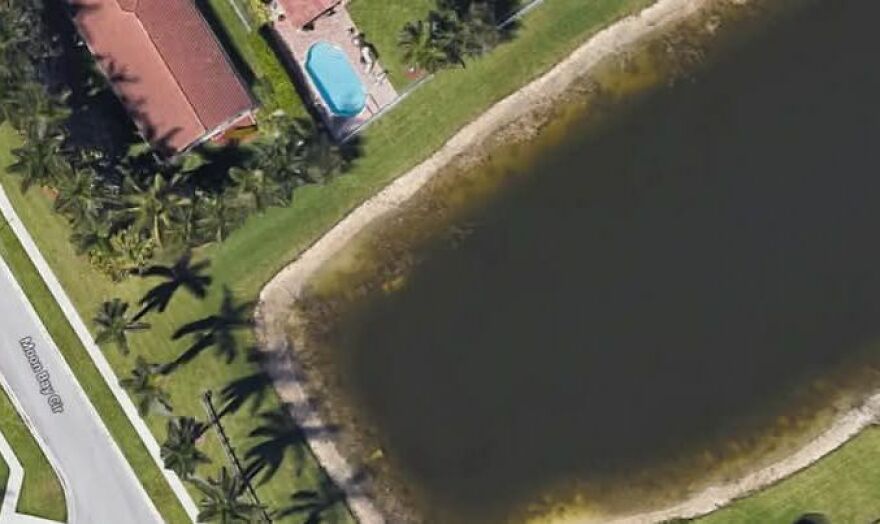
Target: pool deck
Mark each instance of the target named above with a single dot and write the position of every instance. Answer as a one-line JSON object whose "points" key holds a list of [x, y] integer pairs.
{"points": [[334, 29]]}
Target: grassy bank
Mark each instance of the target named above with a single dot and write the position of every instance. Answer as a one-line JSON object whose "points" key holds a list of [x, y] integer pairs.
{"points": [[254, 253], [41, 493], [845, 486]]}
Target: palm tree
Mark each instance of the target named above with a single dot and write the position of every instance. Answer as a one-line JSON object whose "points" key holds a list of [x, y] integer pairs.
{"points": [[182, 229], [114, 324], [278, 153], [258, 189], [216, 330], [150, 205], [224, 502], [91, 232], [313, 503], [141, 384], [421, 48], [217, 215], [23, 46], [15, 64], [132, 251], [78, 196], [31, 107], [321, 156], [182, 274], [39, 160], [295, 151], [180, 452], [449, 30], [480, 30]]}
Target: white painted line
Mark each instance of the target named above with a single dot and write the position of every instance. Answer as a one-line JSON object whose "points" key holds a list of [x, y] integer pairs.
{"points": [[98, 358]]}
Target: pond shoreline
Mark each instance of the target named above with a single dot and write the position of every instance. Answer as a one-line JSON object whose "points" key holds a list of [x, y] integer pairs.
{"points": [[518, 117], [840, 431]]}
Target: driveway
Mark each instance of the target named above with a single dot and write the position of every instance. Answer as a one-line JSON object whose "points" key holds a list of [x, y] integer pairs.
{"points": [[99, 485]]}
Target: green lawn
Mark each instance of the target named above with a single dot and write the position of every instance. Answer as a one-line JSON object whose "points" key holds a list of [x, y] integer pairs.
{"points": [[845, 486], [41, 493], [253, 254], [271, 84], [382, 22]]}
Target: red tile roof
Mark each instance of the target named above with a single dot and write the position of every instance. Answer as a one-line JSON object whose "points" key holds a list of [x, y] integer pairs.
{"points": [[301, 12], [166, 66]]}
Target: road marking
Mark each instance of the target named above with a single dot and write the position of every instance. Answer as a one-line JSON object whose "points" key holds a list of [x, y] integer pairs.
{"points": [[41, 374]]}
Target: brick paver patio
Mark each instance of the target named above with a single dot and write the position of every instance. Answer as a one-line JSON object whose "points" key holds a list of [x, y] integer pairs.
{"points": [[334, 28]]}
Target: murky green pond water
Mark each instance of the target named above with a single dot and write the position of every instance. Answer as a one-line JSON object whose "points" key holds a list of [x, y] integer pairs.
{"points": [[644, 303]]}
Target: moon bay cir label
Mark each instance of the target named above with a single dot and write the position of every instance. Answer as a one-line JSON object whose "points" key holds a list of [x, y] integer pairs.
{"points": [[41, 374]]}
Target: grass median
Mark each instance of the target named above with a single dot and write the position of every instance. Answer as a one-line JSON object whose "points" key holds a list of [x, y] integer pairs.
{"points": [[41, 493]]}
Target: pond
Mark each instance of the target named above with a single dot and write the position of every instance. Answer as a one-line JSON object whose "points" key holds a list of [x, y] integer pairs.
{"points": [[642, 304]]}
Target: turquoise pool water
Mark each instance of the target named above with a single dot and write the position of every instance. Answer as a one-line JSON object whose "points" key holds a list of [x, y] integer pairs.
{"points": [[336, 80]]}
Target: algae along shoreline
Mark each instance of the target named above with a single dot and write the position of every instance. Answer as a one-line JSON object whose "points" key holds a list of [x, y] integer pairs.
{"points": [[652, 427]]}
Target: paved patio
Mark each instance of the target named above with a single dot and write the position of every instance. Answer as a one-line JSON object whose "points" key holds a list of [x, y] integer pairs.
{"points": [[333, 27]]}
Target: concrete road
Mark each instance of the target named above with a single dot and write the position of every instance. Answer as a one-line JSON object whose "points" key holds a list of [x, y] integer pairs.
{"points": [[99, 484]]}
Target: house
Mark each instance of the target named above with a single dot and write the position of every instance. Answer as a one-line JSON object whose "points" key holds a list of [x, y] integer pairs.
{"points": [[167, 67]]}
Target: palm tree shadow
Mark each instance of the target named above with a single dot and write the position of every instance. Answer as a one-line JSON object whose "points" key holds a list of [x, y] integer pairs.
{"points": [[181, 274], [216, 330], [200, 344], [313, 503], [252, 389], [280, 436]]}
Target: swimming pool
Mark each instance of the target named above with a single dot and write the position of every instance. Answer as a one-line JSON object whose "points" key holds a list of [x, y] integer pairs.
{"points": [[336, 80]]}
